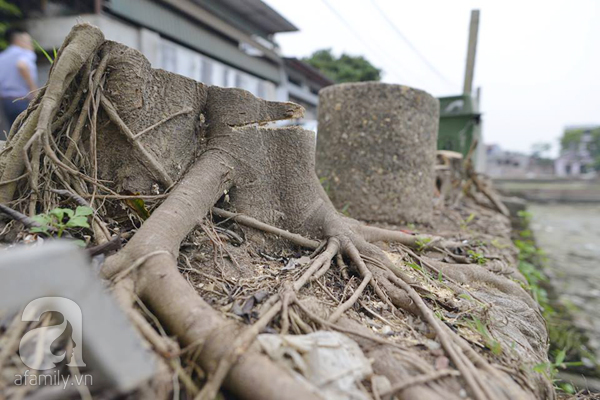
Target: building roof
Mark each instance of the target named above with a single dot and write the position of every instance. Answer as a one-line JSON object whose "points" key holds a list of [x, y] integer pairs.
{"points": [[308, 71], [253, 12]]}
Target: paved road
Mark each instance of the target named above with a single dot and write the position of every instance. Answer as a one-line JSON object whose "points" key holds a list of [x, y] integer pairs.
{"points": [[570, 235]]}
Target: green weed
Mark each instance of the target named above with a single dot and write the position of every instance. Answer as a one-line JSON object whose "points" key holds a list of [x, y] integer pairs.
{"points": [[477, 257], [60, 220]]}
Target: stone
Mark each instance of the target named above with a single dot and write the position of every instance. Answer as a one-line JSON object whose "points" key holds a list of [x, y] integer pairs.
{"points": [[331, 362], [376, 149]]}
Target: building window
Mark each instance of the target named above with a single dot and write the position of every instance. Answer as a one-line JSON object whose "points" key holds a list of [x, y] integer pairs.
{"points": [[168, 57], [261, 90], [296, 82], [207, 71], [219, 74]]}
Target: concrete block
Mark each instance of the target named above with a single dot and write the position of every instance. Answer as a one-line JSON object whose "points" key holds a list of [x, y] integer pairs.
{"points": [[112, 348], [376, 147]]}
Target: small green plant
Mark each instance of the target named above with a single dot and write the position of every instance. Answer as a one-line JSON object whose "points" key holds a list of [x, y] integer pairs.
{"points": [[492, 344], [498, 244], [344, 209], [7, 9], [465, 296], [477, 257], [422, 243], [466, 222], [44, 52], [525, 217], [550, 369], [61, 219], [415, 266], [526, 233]]}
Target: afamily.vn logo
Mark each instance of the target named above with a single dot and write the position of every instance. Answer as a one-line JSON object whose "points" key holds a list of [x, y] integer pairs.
{"points": [[55, 378], [41, 338]]}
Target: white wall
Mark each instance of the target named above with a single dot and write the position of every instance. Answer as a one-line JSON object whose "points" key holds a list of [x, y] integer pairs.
{"points": [[161, 52], [50, 32], [181, 60]]}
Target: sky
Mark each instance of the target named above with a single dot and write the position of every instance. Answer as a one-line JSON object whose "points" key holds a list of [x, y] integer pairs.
{"points": [[538, 62]]}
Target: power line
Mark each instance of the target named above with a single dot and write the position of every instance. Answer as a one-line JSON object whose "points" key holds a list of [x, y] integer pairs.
{"points": [[410, 45], [351, 29]]}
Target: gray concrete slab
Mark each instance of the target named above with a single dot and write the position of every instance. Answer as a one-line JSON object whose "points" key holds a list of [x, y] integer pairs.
{"points": [[112, 348]]}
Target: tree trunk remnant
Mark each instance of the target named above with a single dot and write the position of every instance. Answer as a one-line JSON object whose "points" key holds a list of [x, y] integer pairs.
{"points": [[376, 150]]}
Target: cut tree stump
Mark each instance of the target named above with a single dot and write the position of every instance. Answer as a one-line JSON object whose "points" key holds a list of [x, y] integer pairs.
{"points": [[376, 150]]}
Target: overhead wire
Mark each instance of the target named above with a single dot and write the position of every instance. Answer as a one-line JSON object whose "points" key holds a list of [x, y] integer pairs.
{"points": [[354, 32], [410, 44]]}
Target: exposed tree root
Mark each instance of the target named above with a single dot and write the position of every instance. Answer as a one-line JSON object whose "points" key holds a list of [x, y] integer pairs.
{"points": [[341, 238], [145, 157], [17, 216], [79, 46], [254, 223], [422, 241], [418, 381], [367, 276], [333, 326]]}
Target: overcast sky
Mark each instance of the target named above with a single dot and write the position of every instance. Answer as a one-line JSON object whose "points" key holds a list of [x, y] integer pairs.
{"points": [[538, 62]]}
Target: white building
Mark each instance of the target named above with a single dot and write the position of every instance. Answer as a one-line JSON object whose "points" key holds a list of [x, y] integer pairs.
{"points": [[228, 43], [505, 164], [576, 160]]}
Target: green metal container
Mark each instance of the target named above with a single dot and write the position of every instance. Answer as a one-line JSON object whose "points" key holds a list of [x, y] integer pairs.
{"points": [[460, 123]]}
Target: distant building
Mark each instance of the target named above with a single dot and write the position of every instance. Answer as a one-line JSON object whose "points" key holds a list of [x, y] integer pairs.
{"points": [[511, 164], [576, 157], [228, 43], [506, 164], [303, 85]]}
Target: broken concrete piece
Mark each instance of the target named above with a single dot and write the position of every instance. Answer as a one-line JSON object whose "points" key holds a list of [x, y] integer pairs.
{"points": [[61, 272], [333, 363]]}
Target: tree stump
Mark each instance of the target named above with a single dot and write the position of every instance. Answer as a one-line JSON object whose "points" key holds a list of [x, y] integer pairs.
{"points": [[376, 150]]}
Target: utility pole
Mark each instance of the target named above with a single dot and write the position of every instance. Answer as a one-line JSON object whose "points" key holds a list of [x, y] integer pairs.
{"points": [[470, 68]]}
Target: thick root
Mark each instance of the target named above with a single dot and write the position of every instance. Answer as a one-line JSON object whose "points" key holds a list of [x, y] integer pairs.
{"points": [[79, 46], [373, 234]]}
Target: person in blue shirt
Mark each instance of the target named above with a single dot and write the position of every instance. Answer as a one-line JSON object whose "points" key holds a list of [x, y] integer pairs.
{"points": [[18, 73]]}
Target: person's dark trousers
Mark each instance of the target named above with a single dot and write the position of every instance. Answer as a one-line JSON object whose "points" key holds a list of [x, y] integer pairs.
{"points": [[12, 108]]}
